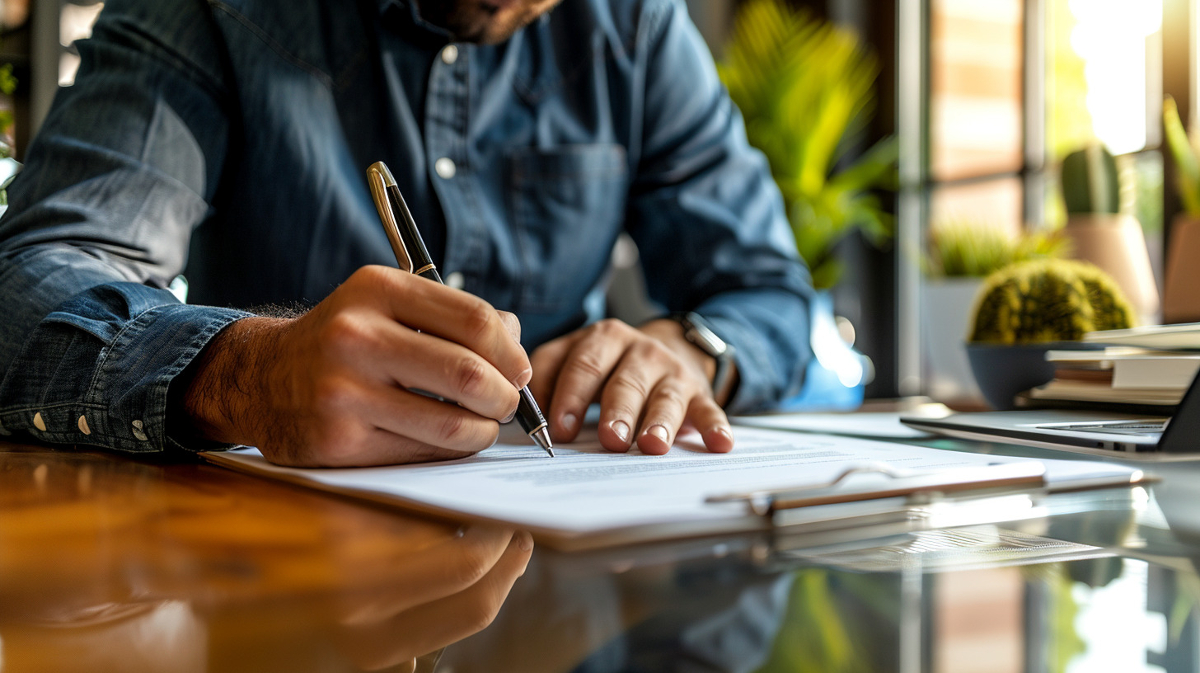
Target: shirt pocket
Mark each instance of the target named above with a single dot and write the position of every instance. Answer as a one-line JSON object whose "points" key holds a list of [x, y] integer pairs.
{"points": [[567, 206]]}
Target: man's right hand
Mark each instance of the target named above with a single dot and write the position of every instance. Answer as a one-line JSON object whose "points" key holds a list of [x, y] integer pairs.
{"points": [[334, 387]]}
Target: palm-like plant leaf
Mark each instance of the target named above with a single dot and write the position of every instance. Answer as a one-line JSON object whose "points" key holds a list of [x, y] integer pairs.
{"points": [[803, 85], [1185, 156]]}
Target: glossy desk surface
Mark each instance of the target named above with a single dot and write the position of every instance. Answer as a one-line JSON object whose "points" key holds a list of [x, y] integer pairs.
{"points": [[112, 564]]}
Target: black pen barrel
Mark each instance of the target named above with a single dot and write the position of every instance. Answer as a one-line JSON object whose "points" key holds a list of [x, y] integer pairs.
{"points": [[412, 255], [528, 414], [431, 273]]}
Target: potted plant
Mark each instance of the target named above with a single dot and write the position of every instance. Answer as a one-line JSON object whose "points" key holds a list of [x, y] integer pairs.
{"points": [[1181, 284], [804, 86], [1100, 234], [1030, 307], [961, 255]]}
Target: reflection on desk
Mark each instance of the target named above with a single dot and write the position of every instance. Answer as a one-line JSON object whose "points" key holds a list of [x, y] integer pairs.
{"points": [[113, 564], [108, 564]]}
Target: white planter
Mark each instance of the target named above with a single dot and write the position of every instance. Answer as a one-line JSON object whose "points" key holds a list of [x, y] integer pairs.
{"points": [[946, 307]]}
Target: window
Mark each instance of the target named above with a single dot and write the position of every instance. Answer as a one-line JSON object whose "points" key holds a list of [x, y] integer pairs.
{"points": [[993, 94]]}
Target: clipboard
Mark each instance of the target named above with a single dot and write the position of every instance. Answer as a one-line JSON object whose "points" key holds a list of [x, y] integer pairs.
{"points": [[589, 498], [912, 502], [866, 500]]}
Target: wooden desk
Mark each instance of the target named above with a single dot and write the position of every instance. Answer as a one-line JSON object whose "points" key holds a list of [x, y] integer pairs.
{"points": [[111, 564]]}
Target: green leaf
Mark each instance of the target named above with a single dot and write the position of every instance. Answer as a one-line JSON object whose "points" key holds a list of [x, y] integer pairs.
{"points": [[803, 85], [1185, 158]]}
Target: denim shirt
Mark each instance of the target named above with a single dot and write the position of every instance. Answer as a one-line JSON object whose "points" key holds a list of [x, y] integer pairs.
{"points": [[228, 139]]}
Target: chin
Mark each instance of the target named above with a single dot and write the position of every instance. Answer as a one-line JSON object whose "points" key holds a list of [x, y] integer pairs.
{"points": [[494, 30], [493, 26]]}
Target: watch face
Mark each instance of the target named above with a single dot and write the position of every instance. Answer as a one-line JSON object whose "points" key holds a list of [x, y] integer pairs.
{"points": [[711, 342], [699, 333]]}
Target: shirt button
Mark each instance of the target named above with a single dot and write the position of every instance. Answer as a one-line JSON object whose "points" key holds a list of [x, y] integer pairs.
{"points": [[445, 168], [449, 54], [139, 431], [83, 425], [455, 280], [38, 422]]}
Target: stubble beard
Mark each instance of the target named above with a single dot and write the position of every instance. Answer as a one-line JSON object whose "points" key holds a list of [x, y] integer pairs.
{"points": [[481, 21]]}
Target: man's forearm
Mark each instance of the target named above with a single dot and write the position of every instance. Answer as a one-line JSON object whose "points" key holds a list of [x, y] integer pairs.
{"points": [[769, 329], [214, 399]]}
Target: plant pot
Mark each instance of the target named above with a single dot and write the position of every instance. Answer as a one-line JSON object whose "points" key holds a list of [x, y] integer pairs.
{"points": [[1003, 370], [1115, 243], [946, 310], [1181, 286]]}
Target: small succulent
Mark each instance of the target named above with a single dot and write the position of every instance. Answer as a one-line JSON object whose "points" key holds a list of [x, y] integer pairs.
{"points": [[965, 249], [1048, 300]]}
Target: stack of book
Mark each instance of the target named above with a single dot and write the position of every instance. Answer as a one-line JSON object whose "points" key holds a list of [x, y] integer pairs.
{"points": [[1148, 366]]}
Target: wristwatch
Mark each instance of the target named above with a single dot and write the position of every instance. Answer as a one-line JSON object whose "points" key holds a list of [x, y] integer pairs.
{"points": [[697, 330]]}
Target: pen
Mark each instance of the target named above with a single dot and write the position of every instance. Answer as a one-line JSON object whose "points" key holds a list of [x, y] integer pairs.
{"points": [[413, 257]]}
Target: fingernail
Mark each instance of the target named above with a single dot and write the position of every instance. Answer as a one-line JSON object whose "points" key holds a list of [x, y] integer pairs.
{"points": [[569, 421], [523, 378], [511, 415], [621, 428], [658, 431], [725, 433], [526, 541]]}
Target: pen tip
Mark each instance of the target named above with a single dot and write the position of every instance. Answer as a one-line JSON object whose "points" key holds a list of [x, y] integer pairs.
{"points": [[542, 438]]}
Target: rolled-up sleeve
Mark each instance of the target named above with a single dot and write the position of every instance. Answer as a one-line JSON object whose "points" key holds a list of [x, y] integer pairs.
{"points": [[709, 219], [99, 223]]}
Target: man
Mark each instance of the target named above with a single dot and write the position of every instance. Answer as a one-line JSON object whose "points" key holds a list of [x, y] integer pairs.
{"points": [[228, 140]]}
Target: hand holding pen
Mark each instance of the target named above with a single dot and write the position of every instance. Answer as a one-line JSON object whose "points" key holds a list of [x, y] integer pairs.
{"points": [[412, 256], [333, 387]]}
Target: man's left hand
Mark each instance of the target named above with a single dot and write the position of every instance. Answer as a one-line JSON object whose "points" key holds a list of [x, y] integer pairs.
{"points": [[649, 381]]}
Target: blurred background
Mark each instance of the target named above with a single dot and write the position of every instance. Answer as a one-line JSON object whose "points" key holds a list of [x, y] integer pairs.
{"points": [[896, 129]]}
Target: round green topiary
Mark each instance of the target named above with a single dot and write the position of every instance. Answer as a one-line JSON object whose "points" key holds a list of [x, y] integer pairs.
{"points": [[1048, 300]]}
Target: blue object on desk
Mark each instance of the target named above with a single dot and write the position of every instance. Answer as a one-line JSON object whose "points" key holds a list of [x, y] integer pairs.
{"points": [[836, 375]]}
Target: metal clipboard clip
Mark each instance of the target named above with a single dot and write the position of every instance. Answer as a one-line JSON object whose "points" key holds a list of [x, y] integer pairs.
{"points": [[907, 500]]}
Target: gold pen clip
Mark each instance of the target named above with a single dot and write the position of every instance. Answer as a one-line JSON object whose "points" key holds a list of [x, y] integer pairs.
{"points": [[380, 178]]}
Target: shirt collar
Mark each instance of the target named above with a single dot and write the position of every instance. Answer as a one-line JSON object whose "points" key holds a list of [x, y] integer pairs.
{"points": [[408, 9]]}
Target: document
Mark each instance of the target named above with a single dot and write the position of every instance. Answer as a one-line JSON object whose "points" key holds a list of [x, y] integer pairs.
{"points": [[588, 492]]}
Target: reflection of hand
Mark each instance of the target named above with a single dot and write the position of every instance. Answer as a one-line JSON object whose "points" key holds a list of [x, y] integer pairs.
{"points": [[649, 382], [332, 387], [445, 593]]}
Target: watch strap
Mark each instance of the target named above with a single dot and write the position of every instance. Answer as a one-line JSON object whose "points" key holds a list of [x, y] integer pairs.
{"points": [[699, 332]]}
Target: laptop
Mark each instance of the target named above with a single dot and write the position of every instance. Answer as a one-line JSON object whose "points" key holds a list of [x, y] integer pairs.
{"points": [[1174, 437]]}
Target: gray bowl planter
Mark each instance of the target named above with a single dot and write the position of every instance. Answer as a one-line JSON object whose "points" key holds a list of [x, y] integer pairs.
{"points": [[1002, 371]]}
